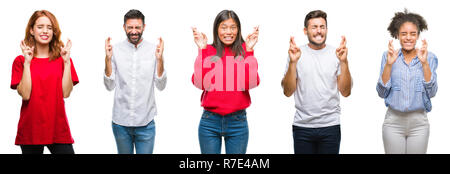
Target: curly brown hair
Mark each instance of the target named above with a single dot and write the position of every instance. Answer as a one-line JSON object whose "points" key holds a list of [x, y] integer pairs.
{"points": [[401, 17]]}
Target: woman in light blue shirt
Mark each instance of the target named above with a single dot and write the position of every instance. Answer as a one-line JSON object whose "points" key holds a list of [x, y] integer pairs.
{"points": [[407, 82]]}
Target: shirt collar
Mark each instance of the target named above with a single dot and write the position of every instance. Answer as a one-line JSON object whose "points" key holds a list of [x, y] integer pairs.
{"points": [[127, 42], [414, 61]]}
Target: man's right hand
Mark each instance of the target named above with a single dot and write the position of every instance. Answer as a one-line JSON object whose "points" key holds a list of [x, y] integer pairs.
{"points": [[108, 49], [294, 51]]}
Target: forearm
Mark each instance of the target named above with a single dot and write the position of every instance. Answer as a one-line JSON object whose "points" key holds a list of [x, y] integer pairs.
{"points": [[108, 67], [426, 72], [197, 77], [345, 80], [289, 81], [160, 67], [386, 73], [24, 87], [67, 83]]}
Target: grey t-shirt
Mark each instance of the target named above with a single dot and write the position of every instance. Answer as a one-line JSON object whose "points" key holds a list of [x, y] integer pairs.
{"points": [[317, 95]]}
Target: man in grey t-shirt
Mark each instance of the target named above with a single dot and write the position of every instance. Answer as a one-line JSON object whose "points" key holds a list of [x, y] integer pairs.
{"points": [[315, 74]]}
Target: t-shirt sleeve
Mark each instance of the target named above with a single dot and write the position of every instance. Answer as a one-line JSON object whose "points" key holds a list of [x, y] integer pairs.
{"points": [[73, 73], [17, 71]]}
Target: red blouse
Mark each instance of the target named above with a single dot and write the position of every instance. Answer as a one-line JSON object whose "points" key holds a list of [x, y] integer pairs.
{"points": [[43, 117]]}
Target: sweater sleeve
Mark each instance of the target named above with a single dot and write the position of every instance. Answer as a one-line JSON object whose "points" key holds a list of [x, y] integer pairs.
{"points": [[251, 69], [199, 73]]}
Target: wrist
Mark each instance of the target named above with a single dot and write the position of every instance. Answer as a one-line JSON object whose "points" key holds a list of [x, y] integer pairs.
{"points": [[249, 49], [67, 62], [388, 65], [293, 62], [345, 61], [26, 63]]}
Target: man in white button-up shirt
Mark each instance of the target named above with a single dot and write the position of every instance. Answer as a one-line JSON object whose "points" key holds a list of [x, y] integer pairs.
{"points": [[133, 67]]}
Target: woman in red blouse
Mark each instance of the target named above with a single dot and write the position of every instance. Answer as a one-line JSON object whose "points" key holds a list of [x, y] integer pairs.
{"points": [[43, 76], [225, 71]]}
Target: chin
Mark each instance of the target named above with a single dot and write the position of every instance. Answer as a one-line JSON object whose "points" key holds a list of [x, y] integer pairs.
{"points": [[43, 42], [408, 49], [228, 43]]}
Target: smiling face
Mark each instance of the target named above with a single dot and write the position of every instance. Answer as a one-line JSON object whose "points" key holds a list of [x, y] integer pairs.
{"points": [[134, 29], [316, 31], [408, 35], [228, 31], [42, 30]]}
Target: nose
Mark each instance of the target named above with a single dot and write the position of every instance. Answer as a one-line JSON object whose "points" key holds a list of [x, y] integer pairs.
{"points": [[409, 37], [319, 30], [228, 31]]}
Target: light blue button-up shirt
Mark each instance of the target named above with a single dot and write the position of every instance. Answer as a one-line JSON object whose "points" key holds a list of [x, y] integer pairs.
{"points": [[407, 90]]}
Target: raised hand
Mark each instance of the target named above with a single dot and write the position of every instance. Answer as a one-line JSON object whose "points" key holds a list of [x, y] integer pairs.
{"points": [[422, 53], [108, 48], [294, 50], [65, 51], [159, 49], [199, 38], [392, 54], [251, 39], [27, 51], [342, 51]]}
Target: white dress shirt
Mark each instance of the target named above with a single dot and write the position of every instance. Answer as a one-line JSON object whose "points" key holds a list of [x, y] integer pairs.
{"points": [[134, 77]]}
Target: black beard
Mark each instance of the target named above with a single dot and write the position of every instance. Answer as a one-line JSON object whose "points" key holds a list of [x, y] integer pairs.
{"points": [[315, 43], [136, 41]]}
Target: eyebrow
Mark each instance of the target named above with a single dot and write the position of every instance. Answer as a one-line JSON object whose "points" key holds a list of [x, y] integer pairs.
{"points": [[233, 25], [44, 25]]}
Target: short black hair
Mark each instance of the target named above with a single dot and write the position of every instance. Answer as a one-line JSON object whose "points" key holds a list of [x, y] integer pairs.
{"points": [[134, 14], [401, 17], [315, 14]]}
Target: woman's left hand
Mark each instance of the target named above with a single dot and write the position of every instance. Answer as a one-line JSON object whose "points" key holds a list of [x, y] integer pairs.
{"points": [[422, 53]]}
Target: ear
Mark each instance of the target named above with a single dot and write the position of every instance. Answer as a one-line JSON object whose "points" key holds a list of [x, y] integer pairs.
{"points": [[143, 28], [32, 32], [305, 30], [124, 28]]}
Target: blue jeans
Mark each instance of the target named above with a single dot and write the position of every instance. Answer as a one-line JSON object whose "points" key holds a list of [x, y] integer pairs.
{"points": [[324, 140], [233, 127], [128, 137]]}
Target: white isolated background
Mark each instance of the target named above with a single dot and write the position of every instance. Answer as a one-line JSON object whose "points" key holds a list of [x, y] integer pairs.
{"points": [[270, 116]]}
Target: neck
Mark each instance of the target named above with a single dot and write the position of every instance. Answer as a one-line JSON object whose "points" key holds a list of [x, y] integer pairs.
{"points": [[409, 54], [316, 47], [42, 50], [135, 45]]}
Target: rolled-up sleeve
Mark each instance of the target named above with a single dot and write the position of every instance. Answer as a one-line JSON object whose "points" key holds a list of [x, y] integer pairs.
{"points": [[431, 86], [160, 82], [383, 89]]}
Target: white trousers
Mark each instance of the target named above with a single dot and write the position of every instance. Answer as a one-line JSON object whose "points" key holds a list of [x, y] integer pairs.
{"points": [[405, 132]]}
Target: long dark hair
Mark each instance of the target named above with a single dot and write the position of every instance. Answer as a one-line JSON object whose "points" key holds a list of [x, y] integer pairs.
{"points": [[236, 47]]}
